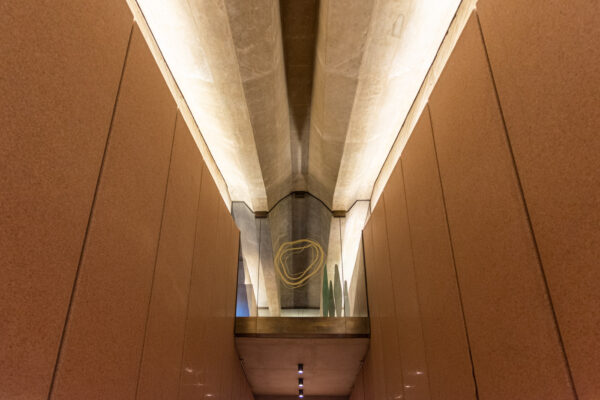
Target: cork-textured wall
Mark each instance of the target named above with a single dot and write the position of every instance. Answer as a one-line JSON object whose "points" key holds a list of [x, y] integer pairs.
{"points": [[549, 95], [490, 219], [55, 117], [119, 257]]}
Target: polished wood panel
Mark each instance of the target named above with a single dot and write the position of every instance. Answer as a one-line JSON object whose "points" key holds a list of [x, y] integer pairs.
{"points": [[546, 64], [446, 346], [161, 362], [197, 376], [367, 374], [374, 376], [330, 365], [56, 104], [508, 315], [392, 360], [210, 365], [228, 257], [358, 389], [410, 333], [103, 341]]}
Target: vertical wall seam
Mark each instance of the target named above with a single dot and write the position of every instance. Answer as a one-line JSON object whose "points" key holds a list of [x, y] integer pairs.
{"points": [[364, 263], [160, 229], [232, 228], [362, 377], [387, 238], [526, 209], [85, 237], [219, 365], [376, 322], [89, 222], [258, 273], [342, 268], [182, 99], [237, 277], [412, 253], [187, 304], [452, 253]]}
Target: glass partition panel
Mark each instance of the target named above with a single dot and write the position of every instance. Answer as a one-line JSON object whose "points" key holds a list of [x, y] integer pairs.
{"points": [[300, 260]]}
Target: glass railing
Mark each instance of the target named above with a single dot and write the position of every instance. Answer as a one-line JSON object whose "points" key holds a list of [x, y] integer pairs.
{"points": [[301, 261]]}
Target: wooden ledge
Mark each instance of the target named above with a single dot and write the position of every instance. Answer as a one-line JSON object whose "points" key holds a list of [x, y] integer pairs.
{"points": [[298, 327]]}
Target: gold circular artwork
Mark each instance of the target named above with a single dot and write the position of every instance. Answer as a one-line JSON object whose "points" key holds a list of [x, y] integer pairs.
{"points": [[299, 279]]}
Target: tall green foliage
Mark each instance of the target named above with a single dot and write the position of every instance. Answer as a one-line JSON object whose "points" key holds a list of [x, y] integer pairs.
{"points": [[337, 292], [331, 301]]}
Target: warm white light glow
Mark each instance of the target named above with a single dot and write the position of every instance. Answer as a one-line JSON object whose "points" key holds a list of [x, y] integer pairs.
{"points": [[354, 223], [399, 52], [427, 83], [198, 47], [201, 57]]}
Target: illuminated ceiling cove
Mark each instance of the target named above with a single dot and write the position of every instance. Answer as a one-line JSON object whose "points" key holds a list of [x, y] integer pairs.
{"points": [[299, 95]]}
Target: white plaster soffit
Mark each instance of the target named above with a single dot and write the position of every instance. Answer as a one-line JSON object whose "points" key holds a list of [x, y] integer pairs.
{"points": [[196, 42], [454, 31], [366, 79], [181, 103]]}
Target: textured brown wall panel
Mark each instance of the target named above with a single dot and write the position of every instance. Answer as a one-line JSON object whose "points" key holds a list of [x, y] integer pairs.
{"points": [[227, 270], [61, 64], [231, 265], [210, 364], [101, 352], [221, 338], [199, 372], [374, 373], [410, 332], [546, 63], [367, 375], [358, 390], [236, 388], [509, 319], [385, 306], [450, 371], [161, 363]]}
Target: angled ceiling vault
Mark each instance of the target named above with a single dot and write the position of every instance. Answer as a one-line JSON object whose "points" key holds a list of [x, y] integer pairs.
{"points": [[299, 95]]}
